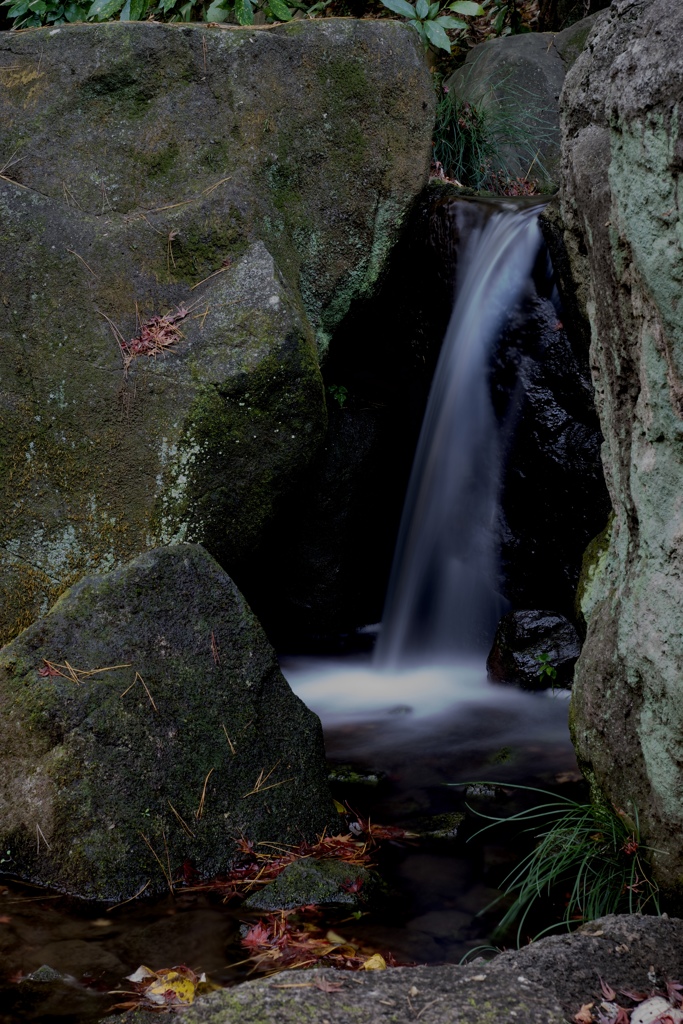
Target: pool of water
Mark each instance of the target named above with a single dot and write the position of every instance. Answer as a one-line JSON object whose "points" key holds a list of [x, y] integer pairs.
{"points": [[408, 737]]}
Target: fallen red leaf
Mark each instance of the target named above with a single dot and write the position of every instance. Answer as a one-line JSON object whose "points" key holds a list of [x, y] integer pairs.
{"points": [[607, 991]]}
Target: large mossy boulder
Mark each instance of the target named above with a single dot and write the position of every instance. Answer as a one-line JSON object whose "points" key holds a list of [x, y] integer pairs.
{"points": [[623, 157], [256, 177], [196, 741]]}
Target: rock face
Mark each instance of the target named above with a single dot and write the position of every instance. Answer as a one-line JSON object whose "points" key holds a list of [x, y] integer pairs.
{"points": [[154, 170], [196, 741], [518, 80], [622, 161], [524, 637], [546, 982]]}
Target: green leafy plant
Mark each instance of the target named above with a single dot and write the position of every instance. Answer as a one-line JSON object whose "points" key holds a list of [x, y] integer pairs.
{"points": [[545, 669], [508, 18], [592, 852], [43, 12], [430, 22], [339, 393], [244, 10]]}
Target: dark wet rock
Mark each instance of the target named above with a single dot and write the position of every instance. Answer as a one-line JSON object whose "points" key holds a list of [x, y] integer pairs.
{"points": [[556, 15], [438, 826], [44, 975], [554, 499], [547, 982], [321, 882], [147, 158], [524, 641], [622, 164], [99, 771]]}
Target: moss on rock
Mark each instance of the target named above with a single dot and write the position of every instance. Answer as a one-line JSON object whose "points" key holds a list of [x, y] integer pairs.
{"points": [[163, 171], [104, 774]]}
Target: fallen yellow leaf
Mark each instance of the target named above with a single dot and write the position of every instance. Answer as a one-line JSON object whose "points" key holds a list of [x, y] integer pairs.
{"points": [[584, 1016], [340, 807], [375, 963], [171, 986]]}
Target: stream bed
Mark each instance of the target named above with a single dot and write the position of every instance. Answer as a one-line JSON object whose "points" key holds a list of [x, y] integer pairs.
{"points": [[395, 743]]}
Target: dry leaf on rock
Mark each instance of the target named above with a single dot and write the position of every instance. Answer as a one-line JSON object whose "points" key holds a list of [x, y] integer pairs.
{"points": [[327, 986], [584, 1016]]}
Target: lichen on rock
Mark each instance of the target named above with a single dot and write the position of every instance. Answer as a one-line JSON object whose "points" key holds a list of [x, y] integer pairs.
{"points": [[622, 159]]}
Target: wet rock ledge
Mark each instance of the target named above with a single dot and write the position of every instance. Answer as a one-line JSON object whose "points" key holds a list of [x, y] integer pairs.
{"points": [[547, 982]]}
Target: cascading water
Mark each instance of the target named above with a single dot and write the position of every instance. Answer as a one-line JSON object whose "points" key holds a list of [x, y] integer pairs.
{"points": [[442, 600]]}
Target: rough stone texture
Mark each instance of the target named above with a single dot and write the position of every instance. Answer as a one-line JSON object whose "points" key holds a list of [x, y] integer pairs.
{"points": [[522, 76], [322, 882], [90, 768], [544, 983], [521, 638], [622, 159], [146, 157]]}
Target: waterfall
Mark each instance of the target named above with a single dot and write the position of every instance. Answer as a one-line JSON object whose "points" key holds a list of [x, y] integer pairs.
{"points": [[442, 601]]}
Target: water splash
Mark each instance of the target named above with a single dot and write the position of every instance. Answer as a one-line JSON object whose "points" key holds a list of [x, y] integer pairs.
{"points": [[442, 601]]}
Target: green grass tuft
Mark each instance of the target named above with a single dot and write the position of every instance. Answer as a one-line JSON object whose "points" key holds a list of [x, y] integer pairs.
{"points": [[592, 852]]}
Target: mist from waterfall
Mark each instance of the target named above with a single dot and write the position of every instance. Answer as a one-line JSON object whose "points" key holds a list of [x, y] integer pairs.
{"points": [[442, 601]]}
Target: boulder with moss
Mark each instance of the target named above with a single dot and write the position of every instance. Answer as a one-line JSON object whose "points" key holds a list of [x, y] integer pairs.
{"points": [[622, 163], [144, 723], [253, 177]]}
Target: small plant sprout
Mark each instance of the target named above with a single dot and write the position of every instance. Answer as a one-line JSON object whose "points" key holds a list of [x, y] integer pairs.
{"points": [[339, 393], [546, 670], [431, 23]]}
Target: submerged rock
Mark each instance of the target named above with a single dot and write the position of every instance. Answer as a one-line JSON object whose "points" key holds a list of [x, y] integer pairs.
{"points": [[154, 170], [112, 780], [525, 641], [321, 882], [622, 157]]}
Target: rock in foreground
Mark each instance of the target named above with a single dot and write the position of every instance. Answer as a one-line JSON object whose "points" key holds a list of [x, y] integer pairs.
{"points": [[196, 741], [546, 982]]}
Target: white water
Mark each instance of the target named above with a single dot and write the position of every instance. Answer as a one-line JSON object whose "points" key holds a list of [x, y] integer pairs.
{"points": [[451, 708], [442, 603]]}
